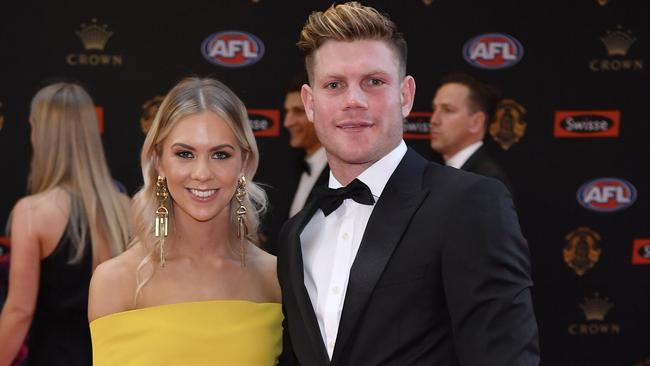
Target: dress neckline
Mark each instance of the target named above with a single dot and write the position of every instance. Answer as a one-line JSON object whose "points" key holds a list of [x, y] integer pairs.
{"points": [[186, 303]]}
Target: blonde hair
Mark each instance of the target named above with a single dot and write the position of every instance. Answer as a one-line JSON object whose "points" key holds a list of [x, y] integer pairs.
{"points": [[350, 22], [191, 96], [68, 153]]}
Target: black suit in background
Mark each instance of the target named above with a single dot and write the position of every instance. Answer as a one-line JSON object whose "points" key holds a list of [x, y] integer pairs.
{"points": [[442, 277], [481, 163], [281, 199]]}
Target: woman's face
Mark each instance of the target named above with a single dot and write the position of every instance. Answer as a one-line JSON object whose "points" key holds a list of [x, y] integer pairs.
{"points": [[202, 161]]}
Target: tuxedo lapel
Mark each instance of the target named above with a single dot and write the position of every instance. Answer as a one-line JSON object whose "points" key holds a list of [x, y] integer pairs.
{"points": [[398, 202], [297, 274], [322, 181]]}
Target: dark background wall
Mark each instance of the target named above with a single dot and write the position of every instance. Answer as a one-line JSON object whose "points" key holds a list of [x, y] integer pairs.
{"points": [[598, 317]]}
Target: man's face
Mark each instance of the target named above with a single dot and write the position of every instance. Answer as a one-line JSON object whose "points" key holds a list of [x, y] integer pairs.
{"points": [[453, 123], [301, 131], [357, 100]]}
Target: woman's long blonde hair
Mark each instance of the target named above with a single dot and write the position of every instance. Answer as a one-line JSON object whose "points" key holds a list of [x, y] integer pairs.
{"points": [[68, 153], [191, 96]]}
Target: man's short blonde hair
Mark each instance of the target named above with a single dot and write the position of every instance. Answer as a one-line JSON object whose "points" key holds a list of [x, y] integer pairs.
{"points": [[350, 22]]}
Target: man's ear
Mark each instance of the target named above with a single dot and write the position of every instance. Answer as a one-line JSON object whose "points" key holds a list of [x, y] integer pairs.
{"points": [[477, 122], [407, 95], [306, 94]]}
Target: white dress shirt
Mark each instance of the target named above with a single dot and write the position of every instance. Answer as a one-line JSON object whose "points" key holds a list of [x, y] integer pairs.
{"points": [[330, 244], [462, 156], [317, 162]]}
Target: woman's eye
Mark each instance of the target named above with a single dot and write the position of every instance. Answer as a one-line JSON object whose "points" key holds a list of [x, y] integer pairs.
{"points": [[221, 155], [185, 154]]}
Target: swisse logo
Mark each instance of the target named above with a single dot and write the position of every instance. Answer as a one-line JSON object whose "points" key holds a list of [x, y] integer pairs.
{"points": [[607, 194], [265, 122], [232, 49], [596, 123], [417, 126], [493, 51]]}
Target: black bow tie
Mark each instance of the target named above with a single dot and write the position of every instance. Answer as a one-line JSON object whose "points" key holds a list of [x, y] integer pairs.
{"points": [[330, 199]]}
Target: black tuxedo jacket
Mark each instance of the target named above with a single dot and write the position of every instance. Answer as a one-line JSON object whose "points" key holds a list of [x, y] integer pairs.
{"points": [[442, 277], [481, 163]]}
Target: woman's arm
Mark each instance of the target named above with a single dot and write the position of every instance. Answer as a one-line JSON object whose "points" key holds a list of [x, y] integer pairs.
{"points": [[24, 272]]}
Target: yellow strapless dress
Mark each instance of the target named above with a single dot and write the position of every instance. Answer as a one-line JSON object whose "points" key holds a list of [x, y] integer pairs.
{"points": [[220, 332]]}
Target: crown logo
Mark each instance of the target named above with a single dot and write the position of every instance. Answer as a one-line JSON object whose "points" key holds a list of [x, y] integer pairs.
{"points": [[94, 36], [595, 308], [602, 2], [618, 42]]}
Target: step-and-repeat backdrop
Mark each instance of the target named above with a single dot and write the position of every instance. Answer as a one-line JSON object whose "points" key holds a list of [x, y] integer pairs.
{"points": [[572, 130]]}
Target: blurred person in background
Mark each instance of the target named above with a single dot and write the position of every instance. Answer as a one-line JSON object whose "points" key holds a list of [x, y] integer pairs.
{"points": [[308, 172], [73, 219], [463, 108]]}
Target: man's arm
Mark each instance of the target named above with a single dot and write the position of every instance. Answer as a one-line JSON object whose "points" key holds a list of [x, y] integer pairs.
{"points": [[287, 357], [486, 271]]}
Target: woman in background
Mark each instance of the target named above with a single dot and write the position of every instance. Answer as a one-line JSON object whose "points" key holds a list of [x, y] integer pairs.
{"points": [[193, 288], [72, 220]]}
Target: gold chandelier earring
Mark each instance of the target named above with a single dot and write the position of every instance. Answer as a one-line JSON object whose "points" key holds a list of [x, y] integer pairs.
{"points": [[242, 229], [162, 215]]}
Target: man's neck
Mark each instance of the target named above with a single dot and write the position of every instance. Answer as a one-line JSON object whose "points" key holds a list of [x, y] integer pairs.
{"points": [[309, 151]]}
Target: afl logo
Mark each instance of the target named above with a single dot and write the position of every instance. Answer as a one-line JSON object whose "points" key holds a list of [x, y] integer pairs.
{"points": [[493, 51], [607, 194], [232, 49]]}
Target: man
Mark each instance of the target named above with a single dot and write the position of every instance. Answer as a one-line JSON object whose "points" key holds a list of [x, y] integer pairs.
{"points": [[426, 264], [462, 110], [302, 135], [309, 171]]}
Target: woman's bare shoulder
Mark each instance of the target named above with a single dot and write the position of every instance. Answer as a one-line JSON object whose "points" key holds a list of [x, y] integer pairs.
{"points": [[113, 285], [266, 266], [53, 202]]}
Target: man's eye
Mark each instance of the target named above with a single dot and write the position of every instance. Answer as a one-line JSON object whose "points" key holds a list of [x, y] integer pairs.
{"points": [[376, 82], [333, 85], [185, 154], [221, 155]]}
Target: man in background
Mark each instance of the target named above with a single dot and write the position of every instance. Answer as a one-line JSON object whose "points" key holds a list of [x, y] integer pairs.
{"points": [[308, 171], [463, 107], [302, 135]]}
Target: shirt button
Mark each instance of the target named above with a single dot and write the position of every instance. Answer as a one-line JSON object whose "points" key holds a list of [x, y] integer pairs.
{"points": [[331, 344], [336, 290], [345, 236]]}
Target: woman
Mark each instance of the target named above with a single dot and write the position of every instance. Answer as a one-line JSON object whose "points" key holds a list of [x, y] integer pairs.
{"points": [[192, 289], [72, 220]]}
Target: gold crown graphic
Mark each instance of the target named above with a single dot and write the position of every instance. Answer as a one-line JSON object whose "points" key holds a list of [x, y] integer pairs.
{"points": [[596, 308], [618, 42], [94, 36]]}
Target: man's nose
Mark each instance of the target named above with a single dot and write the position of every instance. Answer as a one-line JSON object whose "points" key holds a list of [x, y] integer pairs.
{"points": [[356, 98]]}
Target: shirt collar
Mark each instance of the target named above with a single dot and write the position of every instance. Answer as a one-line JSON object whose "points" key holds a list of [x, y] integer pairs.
{"points": [[377, 175], [463, 155], [317, 160]]}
